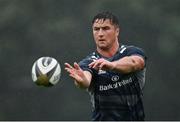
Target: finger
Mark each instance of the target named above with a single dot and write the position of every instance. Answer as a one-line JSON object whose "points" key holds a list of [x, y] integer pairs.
{"points": [[72, 76], [91, 64], [96, 65], [101, 65], [76, 66], [68, 65], [68, 70]]}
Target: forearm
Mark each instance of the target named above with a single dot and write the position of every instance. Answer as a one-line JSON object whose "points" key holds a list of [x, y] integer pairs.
{"points": [[85, 82], [128, 64], [81, 85]]}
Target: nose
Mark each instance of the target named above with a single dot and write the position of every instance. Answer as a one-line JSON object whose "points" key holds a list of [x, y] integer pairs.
{"points": [[101, 33]]}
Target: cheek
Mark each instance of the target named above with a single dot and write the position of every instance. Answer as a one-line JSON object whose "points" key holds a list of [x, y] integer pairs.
{"points": [[111, 39], [110, 36], [95, 35]]}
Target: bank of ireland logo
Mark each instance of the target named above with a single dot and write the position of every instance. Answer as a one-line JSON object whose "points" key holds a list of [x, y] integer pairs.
{"points": [[115, 78]]}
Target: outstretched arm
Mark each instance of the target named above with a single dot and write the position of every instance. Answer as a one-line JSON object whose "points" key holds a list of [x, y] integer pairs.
{"points": [[125, 65], [82, 78]]}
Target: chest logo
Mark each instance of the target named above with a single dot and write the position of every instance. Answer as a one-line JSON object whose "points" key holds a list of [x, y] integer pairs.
{"points": [[101, 72], [115, 78]]}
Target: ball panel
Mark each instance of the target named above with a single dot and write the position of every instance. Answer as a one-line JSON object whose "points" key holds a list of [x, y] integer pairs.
{"points": [[37, 70], [45, 67], [46, 61], [56, 75], [34, 77]]}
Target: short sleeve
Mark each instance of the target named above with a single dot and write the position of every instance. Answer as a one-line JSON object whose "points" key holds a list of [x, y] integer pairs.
{"points": [[84, 64], [132, 50]]}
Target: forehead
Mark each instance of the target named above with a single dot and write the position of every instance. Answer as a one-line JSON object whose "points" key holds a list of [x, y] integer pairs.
{"points": [[102, 22]]}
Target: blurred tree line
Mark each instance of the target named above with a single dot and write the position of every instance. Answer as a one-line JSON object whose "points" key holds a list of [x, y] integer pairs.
{"points": [[61, 29]]}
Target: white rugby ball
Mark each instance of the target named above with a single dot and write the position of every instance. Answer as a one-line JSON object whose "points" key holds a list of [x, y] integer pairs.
{"points": [[46, 71]]}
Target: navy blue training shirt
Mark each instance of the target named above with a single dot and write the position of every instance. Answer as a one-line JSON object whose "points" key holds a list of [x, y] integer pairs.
{"points": [[116, 96]]}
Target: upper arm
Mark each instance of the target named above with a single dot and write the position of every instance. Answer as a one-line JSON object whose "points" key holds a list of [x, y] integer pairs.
{"points": [[138, 55], [129, 64], [134, 59]]}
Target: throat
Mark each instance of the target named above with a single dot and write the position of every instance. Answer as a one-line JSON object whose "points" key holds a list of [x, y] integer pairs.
{"points": [[108, 53]]}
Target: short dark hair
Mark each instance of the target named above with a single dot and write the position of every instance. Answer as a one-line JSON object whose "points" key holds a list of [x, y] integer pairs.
{"points": [[106, 15]]}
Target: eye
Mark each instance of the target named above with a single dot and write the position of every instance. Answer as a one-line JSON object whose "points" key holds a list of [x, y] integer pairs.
{"points": [[106, 28], [96, 28]]}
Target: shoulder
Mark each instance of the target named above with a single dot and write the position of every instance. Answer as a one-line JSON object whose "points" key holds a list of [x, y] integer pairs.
{"points": [[129, 50], [84, 63], [88, 59]]}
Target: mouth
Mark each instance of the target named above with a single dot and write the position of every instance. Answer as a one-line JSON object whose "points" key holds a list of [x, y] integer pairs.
{"points": [[101, 40]]}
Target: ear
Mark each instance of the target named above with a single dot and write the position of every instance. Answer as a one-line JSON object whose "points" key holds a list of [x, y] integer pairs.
{"points": [[117, 31]]}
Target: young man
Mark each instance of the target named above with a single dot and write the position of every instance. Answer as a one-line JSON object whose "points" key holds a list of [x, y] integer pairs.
{"points": [[114, 74]]}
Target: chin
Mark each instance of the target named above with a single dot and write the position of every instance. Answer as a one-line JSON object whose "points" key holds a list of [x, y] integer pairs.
{"points": [[103, 47]]}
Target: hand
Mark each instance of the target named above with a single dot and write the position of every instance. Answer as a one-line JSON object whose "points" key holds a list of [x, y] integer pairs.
{"points": [[81, 77], [102, 64]]}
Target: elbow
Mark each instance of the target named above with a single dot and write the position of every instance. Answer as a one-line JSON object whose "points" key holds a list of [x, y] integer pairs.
{"points": [[137, 64], [130, 64]]}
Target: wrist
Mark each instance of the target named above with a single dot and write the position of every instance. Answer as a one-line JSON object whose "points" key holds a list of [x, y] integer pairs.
{"points": [[80, 85], [113, 66]]}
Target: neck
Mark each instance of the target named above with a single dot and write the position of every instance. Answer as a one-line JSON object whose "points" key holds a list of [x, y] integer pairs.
{"points": [[110, 51]]}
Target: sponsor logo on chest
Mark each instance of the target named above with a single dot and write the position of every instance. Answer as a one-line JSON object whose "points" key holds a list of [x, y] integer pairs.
{"points": [[113, 78], [115, 85]]}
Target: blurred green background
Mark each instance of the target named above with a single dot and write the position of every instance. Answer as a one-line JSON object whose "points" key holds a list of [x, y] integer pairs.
{"points": [[61, 29]]}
